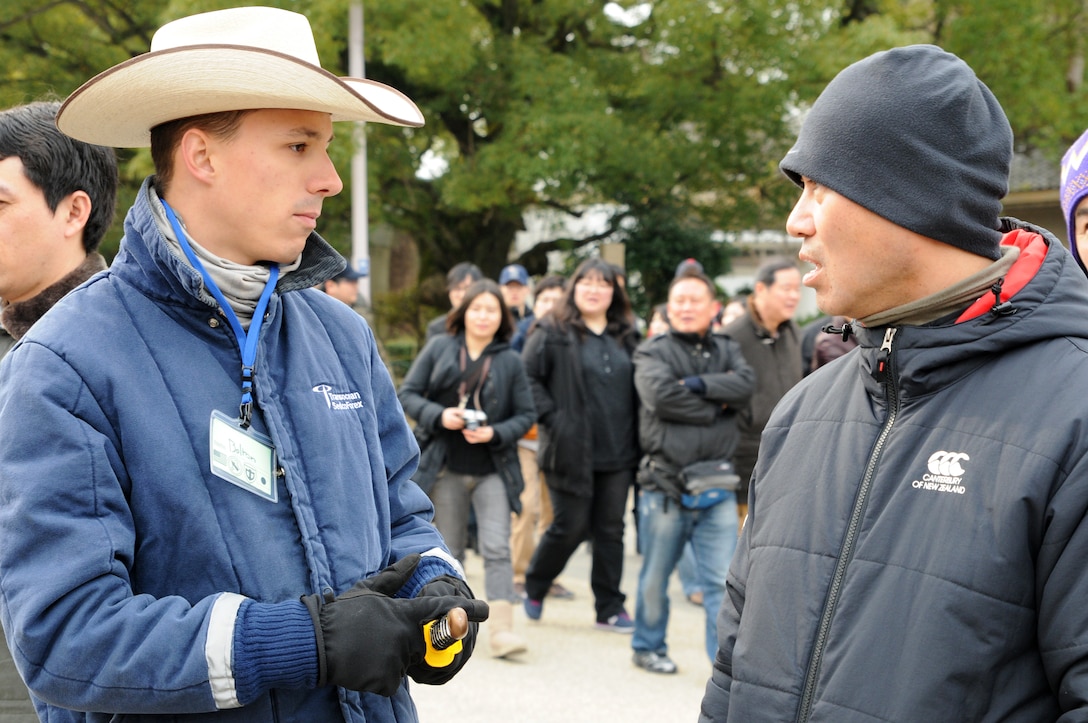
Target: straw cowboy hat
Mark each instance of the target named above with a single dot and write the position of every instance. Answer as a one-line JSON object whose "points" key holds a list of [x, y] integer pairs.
{"points": [[236, 59]]}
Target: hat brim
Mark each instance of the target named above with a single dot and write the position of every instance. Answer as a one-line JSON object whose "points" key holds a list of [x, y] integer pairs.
{"points": [[120, 106]]}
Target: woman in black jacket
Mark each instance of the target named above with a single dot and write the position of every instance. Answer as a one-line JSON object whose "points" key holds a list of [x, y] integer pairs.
{"points": [[579, 364], [471, 401]]}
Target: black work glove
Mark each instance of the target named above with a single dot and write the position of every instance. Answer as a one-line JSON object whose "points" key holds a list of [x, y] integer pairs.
{"points": [[445, 586], [367, 639]]}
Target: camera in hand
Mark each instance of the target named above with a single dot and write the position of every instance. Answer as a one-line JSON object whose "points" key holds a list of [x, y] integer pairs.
{"points": [[474, 418]]}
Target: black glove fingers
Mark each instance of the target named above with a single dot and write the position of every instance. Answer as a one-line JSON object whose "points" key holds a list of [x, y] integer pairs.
{"points": [[392, 578], [477, 610]]}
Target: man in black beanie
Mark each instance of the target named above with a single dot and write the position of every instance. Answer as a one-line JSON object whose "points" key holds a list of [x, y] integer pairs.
{"points": [[915, 543]]}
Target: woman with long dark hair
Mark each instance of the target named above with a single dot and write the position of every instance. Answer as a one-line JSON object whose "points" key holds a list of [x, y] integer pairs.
{"points": [[471, 401], [579, 364]]}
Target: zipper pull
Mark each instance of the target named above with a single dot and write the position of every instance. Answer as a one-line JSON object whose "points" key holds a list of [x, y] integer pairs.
{"points": [[846, 330], [1000, 308], [880, 371]]}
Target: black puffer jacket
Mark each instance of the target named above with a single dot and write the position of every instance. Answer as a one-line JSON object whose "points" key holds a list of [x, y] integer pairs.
{"points": [[916, 542], [678, 426], [553, 362], [505, 396]]}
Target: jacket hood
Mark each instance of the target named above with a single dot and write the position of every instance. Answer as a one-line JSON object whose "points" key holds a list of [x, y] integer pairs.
{"points": [[146, 260], [935, 355]]}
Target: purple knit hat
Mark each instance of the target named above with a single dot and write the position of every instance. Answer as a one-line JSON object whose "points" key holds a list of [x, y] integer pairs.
{"points": [[1074, 188]]}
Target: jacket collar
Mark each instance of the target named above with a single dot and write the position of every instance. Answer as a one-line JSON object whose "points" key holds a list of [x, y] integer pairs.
{"points": [[147, 260], [1045, 300], [689, 338], [19, 316]]}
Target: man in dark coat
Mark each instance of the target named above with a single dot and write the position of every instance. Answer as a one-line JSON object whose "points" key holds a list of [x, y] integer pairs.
{"points": [[916, 538], [690, 384], [771, 344]]}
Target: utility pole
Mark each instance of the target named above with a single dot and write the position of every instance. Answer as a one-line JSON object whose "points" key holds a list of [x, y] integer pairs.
{"points": [[360, 213]]}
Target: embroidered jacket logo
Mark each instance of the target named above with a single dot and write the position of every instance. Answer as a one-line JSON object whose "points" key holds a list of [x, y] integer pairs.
{"points": [[945, 473], [339, 400]]}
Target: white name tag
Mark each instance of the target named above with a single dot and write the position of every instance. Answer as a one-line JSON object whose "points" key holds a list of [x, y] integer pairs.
{"points": [[242, 457]]}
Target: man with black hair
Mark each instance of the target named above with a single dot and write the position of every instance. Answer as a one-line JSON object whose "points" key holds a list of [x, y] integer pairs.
{"points": [[690, 383], [458, 279], [57, 198], [771, 343]]}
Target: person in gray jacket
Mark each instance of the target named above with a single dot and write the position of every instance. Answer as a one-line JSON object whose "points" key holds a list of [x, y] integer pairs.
{"points": [[690, 383], [771, 343], [916, 537]]}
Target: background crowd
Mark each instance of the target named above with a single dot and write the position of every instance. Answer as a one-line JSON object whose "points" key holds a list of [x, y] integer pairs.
{"points": [[619, 407]]}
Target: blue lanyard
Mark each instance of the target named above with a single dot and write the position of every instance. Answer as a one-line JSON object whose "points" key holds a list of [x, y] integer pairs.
{"points": [[247, 342]]}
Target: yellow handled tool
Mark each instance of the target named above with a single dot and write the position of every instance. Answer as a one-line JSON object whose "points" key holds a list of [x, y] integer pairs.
{"points": [[443, 637]]}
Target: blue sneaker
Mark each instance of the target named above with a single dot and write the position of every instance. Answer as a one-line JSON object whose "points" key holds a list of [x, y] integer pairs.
{"points": [[533, 608], [620, 623]]}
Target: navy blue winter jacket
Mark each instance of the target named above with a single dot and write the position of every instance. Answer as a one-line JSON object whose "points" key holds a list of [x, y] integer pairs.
{"points": [[123, 560]]}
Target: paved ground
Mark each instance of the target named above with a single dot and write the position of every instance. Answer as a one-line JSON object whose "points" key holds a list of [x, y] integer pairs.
{"points": [[15, 705], [573, 672]]}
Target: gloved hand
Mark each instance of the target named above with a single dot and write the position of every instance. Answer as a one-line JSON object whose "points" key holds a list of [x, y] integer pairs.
{"points": [[367, 639], [444, 586], [696, 384]]}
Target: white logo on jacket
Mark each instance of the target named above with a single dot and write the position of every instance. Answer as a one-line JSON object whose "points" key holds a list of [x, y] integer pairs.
{"points": [[339, 400], [945, 473]]}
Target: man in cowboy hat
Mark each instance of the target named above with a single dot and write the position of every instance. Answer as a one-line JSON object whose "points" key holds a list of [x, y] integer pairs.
{"points": [[210, 514]]}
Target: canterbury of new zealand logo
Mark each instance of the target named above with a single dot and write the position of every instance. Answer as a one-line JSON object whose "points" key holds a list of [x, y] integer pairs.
{"points": [[945, 473]]}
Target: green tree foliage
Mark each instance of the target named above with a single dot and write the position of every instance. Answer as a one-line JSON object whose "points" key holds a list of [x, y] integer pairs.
{"points": [[672, 112], [657, 242], [558, 105], [1031, 53], [49, 47]]}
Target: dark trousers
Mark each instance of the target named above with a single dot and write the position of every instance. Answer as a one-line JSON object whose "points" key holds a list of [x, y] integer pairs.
{"points": [[599, 517]]}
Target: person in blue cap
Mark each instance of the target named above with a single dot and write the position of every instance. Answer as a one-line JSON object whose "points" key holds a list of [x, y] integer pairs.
{"points": [[344, 285], [514, 282]]}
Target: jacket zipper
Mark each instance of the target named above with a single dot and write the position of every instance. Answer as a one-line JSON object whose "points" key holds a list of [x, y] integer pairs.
{"points": [[882, 371]]}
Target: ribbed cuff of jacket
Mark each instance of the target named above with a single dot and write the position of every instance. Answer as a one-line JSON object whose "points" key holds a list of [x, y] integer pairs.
{"points": [[434, 563], [275, 646]]}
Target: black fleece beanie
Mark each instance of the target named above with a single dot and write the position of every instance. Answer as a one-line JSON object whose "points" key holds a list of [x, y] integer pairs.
{"points": [[914, 136]]}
